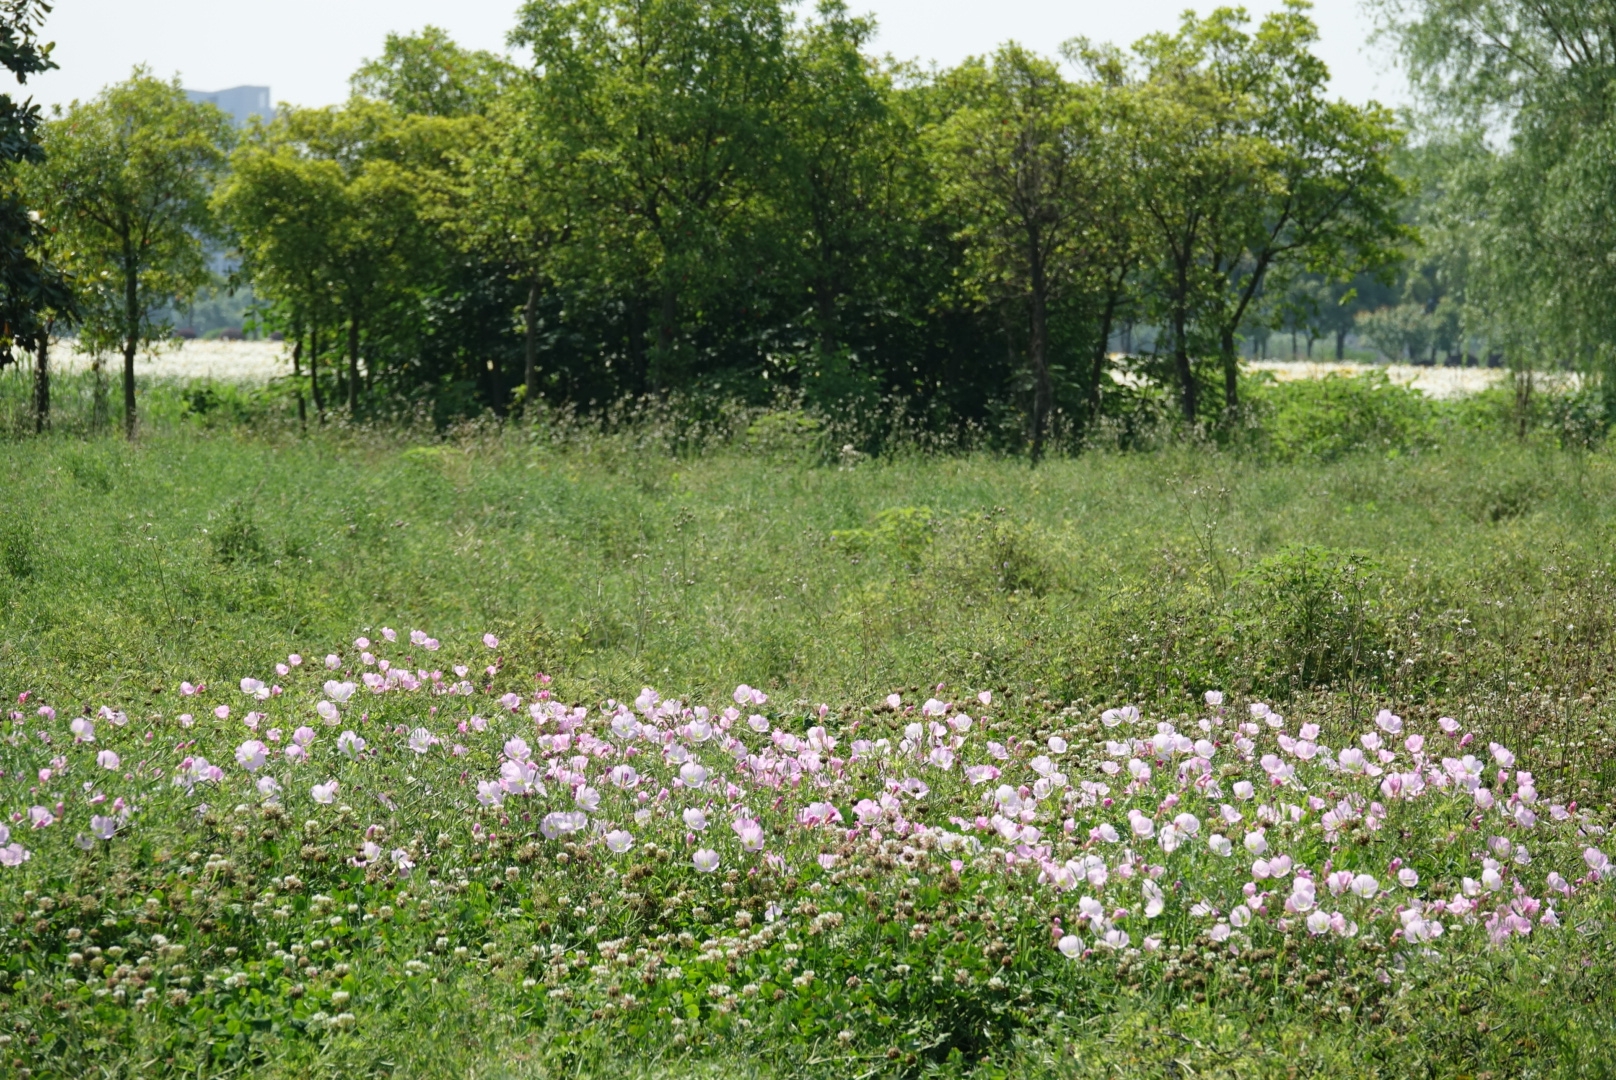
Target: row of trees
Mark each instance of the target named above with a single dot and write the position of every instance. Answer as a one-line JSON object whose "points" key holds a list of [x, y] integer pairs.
{"points": [[715, 194], [1518, 201]]}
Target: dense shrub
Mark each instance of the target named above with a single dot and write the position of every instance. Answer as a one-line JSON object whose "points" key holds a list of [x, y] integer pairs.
{"points": [[1324, 419]]}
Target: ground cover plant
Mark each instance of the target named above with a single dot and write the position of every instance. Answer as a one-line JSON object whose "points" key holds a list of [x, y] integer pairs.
{"points": [[898, 886], [1454, 588]]}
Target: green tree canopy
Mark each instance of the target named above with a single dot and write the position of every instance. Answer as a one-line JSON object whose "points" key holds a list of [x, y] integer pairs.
{"points": [[129, 175], [666, 108], [34, 291], [1250, 171]]}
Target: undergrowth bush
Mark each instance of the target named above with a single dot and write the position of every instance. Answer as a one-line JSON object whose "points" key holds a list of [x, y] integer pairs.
{"points": [[1324, 419]]}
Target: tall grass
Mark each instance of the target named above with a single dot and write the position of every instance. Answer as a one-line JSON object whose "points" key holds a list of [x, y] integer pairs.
{"points": [[1434, 568]]}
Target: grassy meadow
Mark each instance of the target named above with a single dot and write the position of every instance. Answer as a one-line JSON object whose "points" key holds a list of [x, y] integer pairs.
{"points": [[406, 921]]}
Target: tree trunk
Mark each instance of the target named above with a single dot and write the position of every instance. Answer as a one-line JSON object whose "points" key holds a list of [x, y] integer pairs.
{"points": [[638, 363], [314, 372], [42, 384], [131, 341], [353, 365], [1231, 370], [1181, 363], [825, 315], [1340, 345], [297, 379], [1100, 352], [1038, 353], [667, 326], [530, 366], [98, 395]]}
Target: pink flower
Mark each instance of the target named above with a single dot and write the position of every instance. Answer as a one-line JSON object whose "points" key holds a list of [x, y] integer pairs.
{"points": [[618, 840], [749, 832], [819, 813], [222, 712], [108, 759], [491, 641], [1597, 861], [251, 755], [705, 860], [40, 817], [83, 729], [333, 661], [325, 794], [295, 660]]}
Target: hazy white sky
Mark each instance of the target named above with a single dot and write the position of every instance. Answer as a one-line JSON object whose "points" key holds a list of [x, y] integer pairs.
{"points": [[304, 50]]}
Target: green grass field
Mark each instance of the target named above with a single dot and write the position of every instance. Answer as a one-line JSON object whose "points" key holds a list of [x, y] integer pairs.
{"points": [[1461, 576]]}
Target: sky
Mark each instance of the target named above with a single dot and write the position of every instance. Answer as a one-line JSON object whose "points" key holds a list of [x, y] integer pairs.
{"points": [[304, 50]]}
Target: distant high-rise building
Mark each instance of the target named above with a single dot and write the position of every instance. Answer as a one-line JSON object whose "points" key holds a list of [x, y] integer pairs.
{"points": [[240, 103]]}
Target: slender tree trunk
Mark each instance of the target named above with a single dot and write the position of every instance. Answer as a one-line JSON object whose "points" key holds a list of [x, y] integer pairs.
{"points": [[42, 383], [638, 362], [1340, 345], [530, 327], [314, 372], [98, 394], [1231, 369], [1100, 353], [131, 341], [297, 378], [1038, 353], [825, 315], [1181, 363], [667, 327], [353, 365]]}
